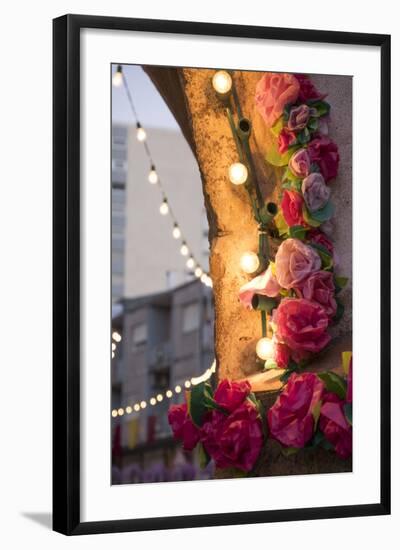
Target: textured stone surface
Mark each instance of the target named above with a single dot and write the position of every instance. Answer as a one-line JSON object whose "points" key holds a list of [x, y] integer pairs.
{"points": [[232, 227]]}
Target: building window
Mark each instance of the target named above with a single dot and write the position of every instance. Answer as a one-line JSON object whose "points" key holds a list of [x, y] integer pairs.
{"points": [[139, 335], [190, 317]]}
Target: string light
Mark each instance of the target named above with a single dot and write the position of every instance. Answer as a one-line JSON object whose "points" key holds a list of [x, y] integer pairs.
{"points": [[117, 77], [198, 272], [112, 355], [238, 173], [249, 262], [190, 263], [176, 232], [153, 176], [140, 132], [222, 82], [169, 393], [265, 348], [113, 346], [164, 208], [116, 336], [184, 249]]}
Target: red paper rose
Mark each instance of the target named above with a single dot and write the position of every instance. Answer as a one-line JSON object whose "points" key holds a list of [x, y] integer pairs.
{"points": [[230, 394], [292, 208], [334, 426], [290, 419], [282, 355], [302, 325], [318, 237], [325, 153], [319, 287], [235, 440], [285, 139], [183, 427], [307, 89]]}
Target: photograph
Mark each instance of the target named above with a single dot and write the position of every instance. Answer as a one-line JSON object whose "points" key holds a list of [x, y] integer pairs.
{"points": [[231, 274]]}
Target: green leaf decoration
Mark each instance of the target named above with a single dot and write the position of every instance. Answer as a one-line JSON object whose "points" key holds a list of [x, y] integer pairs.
{"points": [[270, 365], [339, 311], [327, 445], [200, 400], [203, 456], [322, 215], [288, 175], [277, 128], [340, 283], [334, 383], [348, 412], [308, 219], [297, 232], [280, 224], [303, 137], [315, 411], [275, 158], [312, 124], [324, 254], [289, 451], [317, 439]]}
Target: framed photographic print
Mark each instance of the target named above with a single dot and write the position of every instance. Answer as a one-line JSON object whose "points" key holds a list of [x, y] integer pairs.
{"points": [[221, 274]]}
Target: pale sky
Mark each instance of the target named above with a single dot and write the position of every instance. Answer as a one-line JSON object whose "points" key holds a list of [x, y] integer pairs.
{"points": [[151, 109]]}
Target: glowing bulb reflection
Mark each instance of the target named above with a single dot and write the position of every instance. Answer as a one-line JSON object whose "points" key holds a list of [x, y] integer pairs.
{"points": [[238, 173], [222, 82], [265, 348], [249, 262]]}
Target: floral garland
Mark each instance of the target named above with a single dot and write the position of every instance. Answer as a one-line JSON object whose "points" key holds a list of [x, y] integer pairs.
{"points": [[299, 290]]}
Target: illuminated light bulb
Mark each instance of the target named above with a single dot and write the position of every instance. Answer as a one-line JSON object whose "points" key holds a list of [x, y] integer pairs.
{"points": [[184, 249], [198, 272], [143, 404], [128, 409], [164, 208], [169, 394], [187, 384], [153, 176], [190, 263], [238, 173], [114, 413], [117, 77], [140, 132], [113, 346], [249, 262], [112, 355], [222, 82], [209, 282], [176, 232], [203, 278], [159, 397], [121, 411], [178, 389], [116, 336], [136, 407], [153, 401], [265, 348]]}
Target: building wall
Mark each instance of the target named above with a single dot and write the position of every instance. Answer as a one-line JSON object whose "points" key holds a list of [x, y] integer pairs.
{"points": [[152, 258]]}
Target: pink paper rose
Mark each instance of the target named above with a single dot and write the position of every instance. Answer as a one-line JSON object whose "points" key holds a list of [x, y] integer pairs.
{"points": [[315, 192], [235, 440], [290, 419], [307, 89], [300, 163], [230, 394], [294, 262], [320, 287], [264, 284], [285, 140], [183, 427], [333, 424], [273, 92], [292, 208], [298, 117], [302, 326], [325, 153]]}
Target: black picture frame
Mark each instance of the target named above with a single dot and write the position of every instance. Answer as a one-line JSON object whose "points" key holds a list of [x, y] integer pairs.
{"points": [[66, 273]]}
